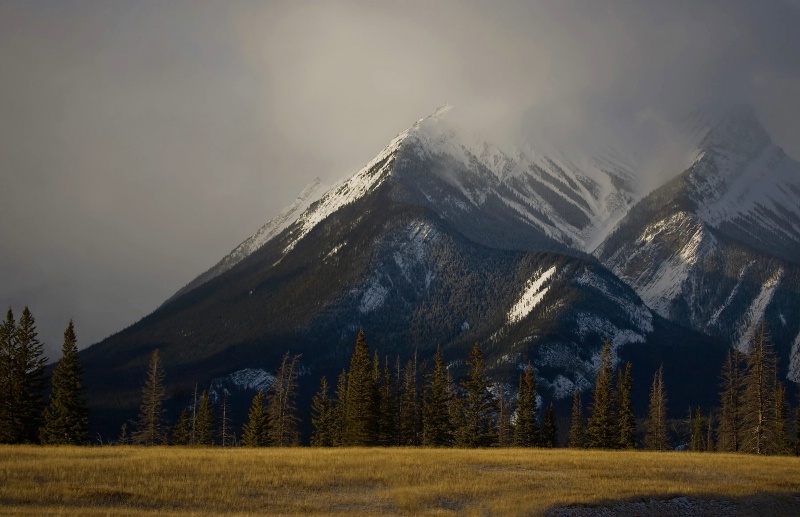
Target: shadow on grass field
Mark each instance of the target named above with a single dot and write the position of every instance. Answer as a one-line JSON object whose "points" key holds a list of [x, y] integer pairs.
{"points": [[122, 481]]}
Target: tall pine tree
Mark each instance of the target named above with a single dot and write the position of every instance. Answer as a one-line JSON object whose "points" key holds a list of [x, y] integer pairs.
{"points": [[387, 414], [526, 431], [656, 437], [626, 415], [602, 430], [339, 409], [282, 407], [322, 417], [360, 420], [478, 429], [28, 380], [9, 421], [66, 419], [205, 427], [576, 429], [255, 433], [150, 426], [729, 432], [759, 422], [549, 428], [409, 411], [437, 430], [182, 433]]}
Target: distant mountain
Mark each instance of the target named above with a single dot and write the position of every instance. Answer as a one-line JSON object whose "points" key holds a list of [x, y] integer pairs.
{"points": [[718, 248], [442, 241]]}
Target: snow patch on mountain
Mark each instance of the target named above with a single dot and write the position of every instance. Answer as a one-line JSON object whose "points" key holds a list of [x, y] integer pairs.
{"points": [[755, 314], [253, 379], [531, 296], [665, 281], [593, 324], [374, 296]]}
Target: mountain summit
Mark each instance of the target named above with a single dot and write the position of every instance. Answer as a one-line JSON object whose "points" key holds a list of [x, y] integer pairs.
{"points": [[445, 241]]}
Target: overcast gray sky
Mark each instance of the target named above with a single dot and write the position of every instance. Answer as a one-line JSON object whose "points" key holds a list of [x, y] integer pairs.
{"points": [[140, 141]]}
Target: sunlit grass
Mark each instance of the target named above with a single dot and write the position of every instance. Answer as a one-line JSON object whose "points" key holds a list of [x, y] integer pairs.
{"points": [[183, 481]]}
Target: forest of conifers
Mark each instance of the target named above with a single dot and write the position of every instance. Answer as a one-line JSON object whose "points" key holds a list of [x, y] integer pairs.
{"points": [[381, 403]]}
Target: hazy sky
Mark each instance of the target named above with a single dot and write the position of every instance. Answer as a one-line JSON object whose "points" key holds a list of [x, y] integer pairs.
{"points": [[141, 141]]}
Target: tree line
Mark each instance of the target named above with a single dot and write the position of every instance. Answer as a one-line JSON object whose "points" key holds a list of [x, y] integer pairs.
{"points": [[25, 415], [377, 402]]}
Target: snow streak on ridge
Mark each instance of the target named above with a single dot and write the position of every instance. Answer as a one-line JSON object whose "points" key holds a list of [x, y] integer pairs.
{"points": [[531, 297]]}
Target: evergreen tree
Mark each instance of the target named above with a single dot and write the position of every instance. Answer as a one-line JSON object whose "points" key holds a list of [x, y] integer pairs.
{"points": [[255, 433], [409, 417], [505, 431], [205, 427], [282, 406], [759, 421], [28, 380], [66, 419], [387, 414], [729, 433], [526, 431], [182, 433], [360, 411], [576, 429], [9, 421], [797, 431], [339, 407], [602, 430], [782, 441], [150, 426], [479, 405], [437, 430], [698, 430], [549, 429], [656, 431], [626, 416], [322, 417]]}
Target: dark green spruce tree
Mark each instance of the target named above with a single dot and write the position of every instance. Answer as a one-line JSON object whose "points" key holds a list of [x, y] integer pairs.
{"points": [[66, 419], [698, 431], [576, 429], [150, 426], [387, 414], [526, 431], [339, 409], [360, 422], [205, 427], [323, 417], [729, 432], [409, 418], [656, 437], [437, 430], [182, 432], [602, 430], [626, 415], [29, 381], [255, 433], [549, 428], [9, 421], [479, 428]]}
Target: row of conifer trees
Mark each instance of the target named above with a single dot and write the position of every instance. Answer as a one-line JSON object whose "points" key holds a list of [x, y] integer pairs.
{"points": [[379, 404], [25, 415]]}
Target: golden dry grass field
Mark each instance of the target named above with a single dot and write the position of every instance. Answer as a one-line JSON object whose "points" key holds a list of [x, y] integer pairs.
{"points": [[122, 481]]}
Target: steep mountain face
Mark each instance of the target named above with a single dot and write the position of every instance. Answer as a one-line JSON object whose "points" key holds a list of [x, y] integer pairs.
{"points": [[433, 243], [718, 248]]}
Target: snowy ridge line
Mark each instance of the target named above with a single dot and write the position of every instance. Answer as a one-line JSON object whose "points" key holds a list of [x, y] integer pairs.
{"points": [[531, 297]]}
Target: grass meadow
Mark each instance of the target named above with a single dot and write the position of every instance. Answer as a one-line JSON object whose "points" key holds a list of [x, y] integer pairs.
{"points": [[123, 481]]}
